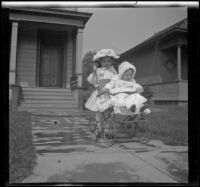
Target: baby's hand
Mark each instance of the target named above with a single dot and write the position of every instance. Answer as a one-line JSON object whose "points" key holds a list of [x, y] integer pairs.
{"points": [[105, 90], [139, 90], [94, 68]]}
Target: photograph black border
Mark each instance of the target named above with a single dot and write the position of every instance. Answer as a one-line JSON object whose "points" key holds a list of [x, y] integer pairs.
{"points": [[193, 100]]}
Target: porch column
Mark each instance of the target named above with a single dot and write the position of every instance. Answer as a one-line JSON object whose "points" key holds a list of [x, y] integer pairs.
{"points": [[79, 47], [179, 62], [13, 53], [78, 67]]}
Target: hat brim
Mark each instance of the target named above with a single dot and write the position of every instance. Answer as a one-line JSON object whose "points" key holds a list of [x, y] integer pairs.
{"points": [[99, 58]]}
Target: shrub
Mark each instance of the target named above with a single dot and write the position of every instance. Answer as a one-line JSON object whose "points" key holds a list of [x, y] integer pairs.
{"points": [[22, 154], [87, 68]]}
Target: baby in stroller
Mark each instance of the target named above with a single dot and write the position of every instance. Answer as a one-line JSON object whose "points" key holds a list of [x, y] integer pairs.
{"points": [[124, 92]]}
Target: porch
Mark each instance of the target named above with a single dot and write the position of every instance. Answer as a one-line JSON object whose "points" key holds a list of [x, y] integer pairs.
{"points": [[175, 92], [168, 72], [45, 52]]}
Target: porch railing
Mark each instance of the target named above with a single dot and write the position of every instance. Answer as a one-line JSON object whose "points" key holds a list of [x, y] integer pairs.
{"points": [[75, 81], [16, 91]]}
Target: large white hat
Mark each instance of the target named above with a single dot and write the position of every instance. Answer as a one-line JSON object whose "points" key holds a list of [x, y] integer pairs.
{"points": [[125, 66], [105, 52]]}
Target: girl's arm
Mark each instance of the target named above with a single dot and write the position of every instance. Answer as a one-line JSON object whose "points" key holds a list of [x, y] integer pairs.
{"points": [[113, 70], [109, 85], [139, 88], [92, 78]]}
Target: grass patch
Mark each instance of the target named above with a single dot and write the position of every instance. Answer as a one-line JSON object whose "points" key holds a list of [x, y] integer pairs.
{"points": [[170, 125], [22, 153]]}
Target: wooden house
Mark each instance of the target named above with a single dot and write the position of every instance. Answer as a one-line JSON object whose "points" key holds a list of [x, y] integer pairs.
{"points": [[45, 54], [162, 64]]}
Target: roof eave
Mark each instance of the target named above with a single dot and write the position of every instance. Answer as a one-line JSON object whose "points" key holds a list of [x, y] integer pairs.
{"points": [[150, 40], [74, 14]]}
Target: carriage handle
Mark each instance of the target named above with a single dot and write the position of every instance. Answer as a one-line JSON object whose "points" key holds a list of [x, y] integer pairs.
{"points": [[104, 92]]}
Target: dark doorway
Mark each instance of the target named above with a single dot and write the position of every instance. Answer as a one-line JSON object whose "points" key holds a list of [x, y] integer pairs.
{"points": [[51, 59]]}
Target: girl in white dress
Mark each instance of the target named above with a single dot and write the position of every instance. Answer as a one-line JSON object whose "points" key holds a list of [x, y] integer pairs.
{"points": [[126, 103], [105, 58]]}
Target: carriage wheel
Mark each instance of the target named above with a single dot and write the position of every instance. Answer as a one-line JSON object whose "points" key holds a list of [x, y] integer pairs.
{"points": [[94, 131], [130, 130], [109, 132], [129, 126], [143, 131]]}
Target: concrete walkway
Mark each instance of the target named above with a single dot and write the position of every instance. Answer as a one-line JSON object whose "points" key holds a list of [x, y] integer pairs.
{"points": [[66, 153]]}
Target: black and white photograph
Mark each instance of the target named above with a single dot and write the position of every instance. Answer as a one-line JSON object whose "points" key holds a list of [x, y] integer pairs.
{"points": [[98, 93]]}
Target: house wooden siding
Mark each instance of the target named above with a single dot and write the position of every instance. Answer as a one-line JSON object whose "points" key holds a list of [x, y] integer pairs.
{"points": [[27, 54], [26, 57], [170, 91], [149, 71], [150, 64], [183, 91]]}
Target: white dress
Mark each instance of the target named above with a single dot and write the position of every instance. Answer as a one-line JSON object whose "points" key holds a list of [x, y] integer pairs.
{"points": [[122, 102], [102, 74]]}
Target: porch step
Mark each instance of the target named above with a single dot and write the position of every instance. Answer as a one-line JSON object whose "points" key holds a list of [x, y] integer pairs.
{"points": [[49, 93], [46, 89], [57, 112], [48, 105], [33, 99], [45, 97], [65, 101]]}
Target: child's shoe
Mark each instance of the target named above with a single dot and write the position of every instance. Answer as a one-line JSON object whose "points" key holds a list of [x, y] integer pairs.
{"points": [[96, 134], [94, 137], [98, 130], [99, 127], [133, 107], [147, 111]]}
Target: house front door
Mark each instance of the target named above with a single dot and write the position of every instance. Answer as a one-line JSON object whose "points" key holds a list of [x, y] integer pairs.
{"points": [[51, 61]]}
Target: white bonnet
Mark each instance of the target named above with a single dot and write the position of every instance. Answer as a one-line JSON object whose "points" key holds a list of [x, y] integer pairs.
{"points": [[105, 52], [125, 66]]}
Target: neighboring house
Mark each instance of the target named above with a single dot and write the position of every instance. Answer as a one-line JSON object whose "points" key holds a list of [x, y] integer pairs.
{"points": [[162, 63], [45, 53]]}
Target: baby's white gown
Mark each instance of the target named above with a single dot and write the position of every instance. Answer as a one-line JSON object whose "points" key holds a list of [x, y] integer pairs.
{"points": [[123, 101]]}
